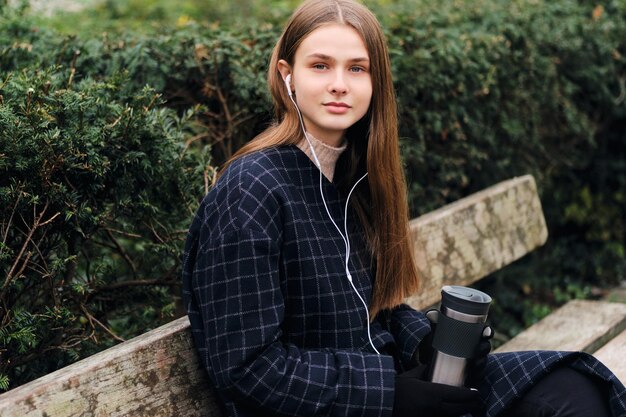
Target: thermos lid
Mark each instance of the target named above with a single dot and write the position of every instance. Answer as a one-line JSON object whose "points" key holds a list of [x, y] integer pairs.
{"points": [[465, 300]]}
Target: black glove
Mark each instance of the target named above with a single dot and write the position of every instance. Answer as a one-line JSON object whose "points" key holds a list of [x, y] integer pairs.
{"points": [[416, 397], [425, 348], [475, 366]]}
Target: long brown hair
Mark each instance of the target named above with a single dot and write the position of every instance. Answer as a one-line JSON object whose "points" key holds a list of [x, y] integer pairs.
{"points": [[372, 144]]}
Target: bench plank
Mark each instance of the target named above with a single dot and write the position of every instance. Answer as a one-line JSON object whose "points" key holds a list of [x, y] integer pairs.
{"points": [[613, 355], [579, 325], [467, 240], [154, 374], [158, 373]]}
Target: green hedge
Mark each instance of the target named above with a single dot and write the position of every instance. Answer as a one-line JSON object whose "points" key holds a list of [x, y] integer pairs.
{"points": [[113, 132], [494, 89], [97, 187]]}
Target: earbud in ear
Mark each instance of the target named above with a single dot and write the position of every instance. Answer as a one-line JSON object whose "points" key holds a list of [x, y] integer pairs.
{"points": [[288, 84]]}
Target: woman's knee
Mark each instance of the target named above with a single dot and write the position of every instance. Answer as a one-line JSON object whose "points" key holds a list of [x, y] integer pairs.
{"points": [[563, 392]]}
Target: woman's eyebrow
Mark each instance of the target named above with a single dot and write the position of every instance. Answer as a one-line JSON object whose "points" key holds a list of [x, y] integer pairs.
{"points": [[330, 58]]}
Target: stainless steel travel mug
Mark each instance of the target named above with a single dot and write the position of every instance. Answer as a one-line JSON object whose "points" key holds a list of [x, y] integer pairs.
{"points": [[460, 325]]}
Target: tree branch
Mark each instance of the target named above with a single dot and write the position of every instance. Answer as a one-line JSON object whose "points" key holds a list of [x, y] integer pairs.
{"points": [[37, 223], [134, 283], [122, 252], [92, 319], [6, 232]]}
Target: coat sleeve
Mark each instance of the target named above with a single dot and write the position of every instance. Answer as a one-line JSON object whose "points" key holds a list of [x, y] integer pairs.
{"points": [[408, 327], [237, 289]]}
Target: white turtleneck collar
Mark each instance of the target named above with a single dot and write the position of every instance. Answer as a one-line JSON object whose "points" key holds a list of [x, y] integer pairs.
{"points": [[326, 154]]}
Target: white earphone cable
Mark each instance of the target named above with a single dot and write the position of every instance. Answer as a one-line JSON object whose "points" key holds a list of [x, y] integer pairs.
{"points": [[345, 237], [319, 166]]}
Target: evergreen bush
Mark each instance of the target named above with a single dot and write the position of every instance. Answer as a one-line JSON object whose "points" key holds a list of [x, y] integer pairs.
{"points": [[96, 189], [494, 89]]}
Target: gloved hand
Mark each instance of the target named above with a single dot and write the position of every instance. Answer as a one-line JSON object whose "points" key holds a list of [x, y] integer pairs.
{"points": [[475, 366], [425, 348], [416, 397], [475, 371]]}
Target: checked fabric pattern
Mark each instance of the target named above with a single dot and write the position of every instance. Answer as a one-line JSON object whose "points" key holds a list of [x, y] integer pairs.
{"points": [[277, 325], [509, 375]]}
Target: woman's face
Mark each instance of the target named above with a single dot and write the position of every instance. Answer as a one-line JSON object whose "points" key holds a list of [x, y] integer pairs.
{"points": [[331, 80]]}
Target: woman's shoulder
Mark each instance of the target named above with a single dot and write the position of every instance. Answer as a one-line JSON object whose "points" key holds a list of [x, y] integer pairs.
{"points": [[251, 190], [273, 156], [264, 168], [255, 175]]}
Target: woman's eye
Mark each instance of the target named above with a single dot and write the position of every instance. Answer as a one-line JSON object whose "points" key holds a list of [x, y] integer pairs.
{"points": [[319, 66], [357, 69]]}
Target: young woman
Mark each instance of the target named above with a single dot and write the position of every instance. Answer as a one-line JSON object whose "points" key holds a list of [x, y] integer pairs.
{"points": [[299, 258]]}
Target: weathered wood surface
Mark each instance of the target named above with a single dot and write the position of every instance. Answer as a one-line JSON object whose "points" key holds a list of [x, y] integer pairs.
{"points": [[155, 374], [580, 325], [477, 235], [158, 374], [613, 355]]}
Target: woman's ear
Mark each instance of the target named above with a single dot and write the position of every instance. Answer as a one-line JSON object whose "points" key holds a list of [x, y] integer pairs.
{"points": [[284, 68]]}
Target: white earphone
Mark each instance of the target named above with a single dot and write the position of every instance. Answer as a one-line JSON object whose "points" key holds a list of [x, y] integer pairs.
{"points": [[343, 236], [288, 84]]}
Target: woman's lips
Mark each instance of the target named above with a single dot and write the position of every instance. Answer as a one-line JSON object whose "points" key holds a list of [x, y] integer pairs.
{"points": [[337, 108]]}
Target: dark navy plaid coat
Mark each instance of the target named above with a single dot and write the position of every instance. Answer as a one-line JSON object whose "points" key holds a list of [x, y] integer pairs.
{"points": [[275, 321]]}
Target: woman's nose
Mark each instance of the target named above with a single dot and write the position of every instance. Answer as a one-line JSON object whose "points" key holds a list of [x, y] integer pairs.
{"points": [[338, 84]]}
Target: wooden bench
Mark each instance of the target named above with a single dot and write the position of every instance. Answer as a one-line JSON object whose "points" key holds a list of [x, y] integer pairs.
{"points": [[158, 373], [597, 327]]}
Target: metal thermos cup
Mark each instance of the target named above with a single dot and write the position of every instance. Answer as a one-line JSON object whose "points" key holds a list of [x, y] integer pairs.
{"points": [[460, 325]]}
